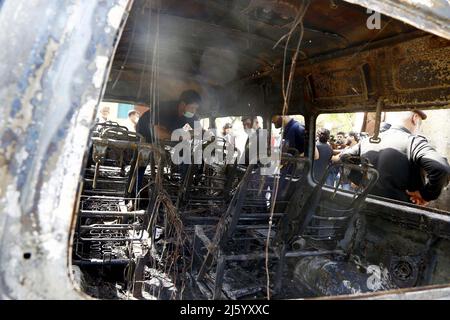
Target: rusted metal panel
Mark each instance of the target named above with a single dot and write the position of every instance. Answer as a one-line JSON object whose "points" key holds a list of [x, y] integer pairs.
{"points": [[239, 37], [54, 61], [421, 65], [430, 15], [407, 74], [340, 83]]}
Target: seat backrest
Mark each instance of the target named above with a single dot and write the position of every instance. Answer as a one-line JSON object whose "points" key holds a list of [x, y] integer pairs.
{"points": [[255, 193], [211, 180], [324, 217]]}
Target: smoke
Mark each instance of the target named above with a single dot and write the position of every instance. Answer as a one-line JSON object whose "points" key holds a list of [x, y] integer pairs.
{"points": [[219, 65]]}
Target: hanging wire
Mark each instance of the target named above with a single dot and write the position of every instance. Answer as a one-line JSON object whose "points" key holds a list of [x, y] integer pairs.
{"points": [[135, 173], [286, 88], [125, 61], [166, 262]]}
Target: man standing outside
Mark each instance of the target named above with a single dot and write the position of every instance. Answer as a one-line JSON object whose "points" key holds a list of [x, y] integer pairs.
{"points": [[340, 142], [293, 133], [133, 118], [325, 154], [103, 115], [401, 157], [251, 127], [352, 139]]}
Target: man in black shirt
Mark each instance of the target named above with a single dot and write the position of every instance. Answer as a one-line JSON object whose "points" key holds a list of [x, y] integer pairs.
{"points": [[251, 127], [401, 157], [325, 154], [172, 115]]}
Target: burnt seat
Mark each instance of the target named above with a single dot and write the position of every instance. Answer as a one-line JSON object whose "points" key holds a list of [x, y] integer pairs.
{"points": [[243, 228], [207, 187], [319, 216], [318, 225]]}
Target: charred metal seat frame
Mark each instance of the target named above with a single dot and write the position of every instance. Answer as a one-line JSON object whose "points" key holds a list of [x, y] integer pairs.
{"points": [[108, 232], [208, 184], [250, 211], [110, 138], [316, 217], [322, 221]]}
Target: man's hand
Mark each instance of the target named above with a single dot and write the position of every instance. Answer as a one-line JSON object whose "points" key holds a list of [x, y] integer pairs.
{"points": [[416, 198]]}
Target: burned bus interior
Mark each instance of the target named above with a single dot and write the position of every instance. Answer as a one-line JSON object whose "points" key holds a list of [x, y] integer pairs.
{"points": [[224, 230]]}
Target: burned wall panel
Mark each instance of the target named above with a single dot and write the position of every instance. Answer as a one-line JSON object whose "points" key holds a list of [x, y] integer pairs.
{"points": [[411, 73]]}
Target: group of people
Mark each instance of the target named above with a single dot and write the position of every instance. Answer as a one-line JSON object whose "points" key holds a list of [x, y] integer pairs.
{"points": [[410, 169], [330, 149], [293, 139], [131, 122]]}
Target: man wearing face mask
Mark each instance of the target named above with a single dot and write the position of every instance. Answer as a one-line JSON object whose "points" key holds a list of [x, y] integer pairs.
{"points": [[172, 115], [402, 158]]}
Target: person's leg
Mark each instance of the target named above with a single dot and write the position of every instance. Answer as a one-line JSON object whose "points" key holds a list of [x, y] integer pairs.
{"points": [[331, 179], [346, 186], [140, 180]]}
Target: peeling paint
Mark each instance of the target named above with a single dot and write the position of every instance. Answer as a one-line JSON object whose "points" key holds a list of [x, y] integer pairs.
{"points": [[115, 17], [52, 94], [100, 63]]}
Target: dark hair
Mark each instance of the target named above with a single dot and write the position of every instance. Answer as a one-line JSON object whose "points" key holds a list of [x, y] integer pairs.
{"points": [[323, 135], [190, 96], [252, 118], [341, 133], [225, 127], [354, 135]]}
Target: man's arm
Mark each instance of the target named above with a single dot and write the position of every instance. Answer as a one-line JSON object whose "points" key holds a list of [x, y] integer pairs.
{"points": [[298, 137], [435, 166], [353, 151]]}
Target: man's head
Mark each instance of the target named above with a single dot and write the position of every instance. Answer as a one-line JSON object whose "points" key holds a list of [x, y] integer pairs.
{"points": [[352, 138], [340, 137], [411, 120], [280, 121], [104, 113], [250, 123], [133, 115], [227, 128], [189, 103], [323, 135]]}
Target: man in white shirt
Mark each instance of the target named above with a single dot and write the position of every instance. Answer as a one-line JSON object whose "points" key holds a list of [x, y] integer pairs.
{"points": [[133, 118]]}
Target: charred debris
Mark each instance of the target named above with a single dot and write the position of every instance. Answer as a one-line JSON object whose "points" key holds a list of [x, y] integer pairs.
{"points": [[227, 231], [208, 231]]}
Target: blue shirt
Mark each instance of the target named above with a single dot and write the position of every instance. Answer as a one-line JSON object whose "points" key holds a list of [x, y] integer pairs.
{"points": [[294, 135]]}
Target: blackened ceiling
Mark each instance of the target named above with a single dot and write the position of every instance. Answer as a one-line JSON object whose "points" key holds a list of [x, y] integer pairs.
{"points": [[217, 43]]}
